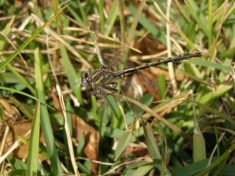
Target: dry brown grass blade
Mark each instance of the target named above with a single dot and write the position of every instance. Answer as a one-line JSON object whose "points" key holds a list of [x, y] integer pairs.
{"points": [[177, 130], [168, 106], [67, 130]]}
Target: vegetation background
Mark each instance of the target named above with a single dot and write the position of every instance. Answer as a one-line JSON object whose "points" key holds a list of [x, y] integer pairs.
{"points": [[182, 124]]}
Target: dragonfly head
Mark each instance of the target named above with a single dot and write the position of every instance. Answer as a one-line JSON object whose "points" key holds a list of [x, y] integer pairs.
{"points": [[85, 79]]}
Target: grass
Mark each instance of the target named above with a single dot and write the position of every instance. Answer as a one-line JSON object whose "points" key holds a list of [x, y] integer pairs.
{"points": [[184, 127]]}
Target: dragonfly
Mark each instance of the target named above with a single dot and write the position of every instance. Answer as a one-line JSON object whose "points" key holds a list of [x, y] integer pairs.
{"points": [[104, 79]]}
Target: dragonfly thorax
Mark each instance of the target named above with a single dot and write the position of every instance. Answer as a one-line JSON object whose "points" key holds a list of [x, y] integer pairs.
{"points": [[102, 81]]}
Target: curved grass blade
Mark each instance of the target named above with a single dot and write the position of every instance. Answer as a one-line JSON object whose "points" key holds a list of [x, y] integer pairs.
{"points": [[168, 123], [142, 170], [25, 94], [214, 94], [211, 65]]}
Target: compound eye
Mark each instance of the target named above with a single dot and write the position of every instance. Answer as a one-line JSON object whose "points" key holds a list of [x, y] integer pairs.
{"points": [[85, 75], [85, 79]]}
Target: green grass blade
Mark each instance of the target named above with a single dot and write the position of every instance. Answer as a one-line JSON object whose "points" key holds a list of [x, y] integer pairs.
{"points": [[71, 74], [32, 160], [25, 94], [19, 92], [161, 84], [83, 13], [142, 170], [218, 92], [123, 142], [111, 18], [151, 142], [211, 65], [219, 160], [201, 21], [45, 119], [143, 21], [210, 22], [5, 33], [21, 78], [100, 5], [190, 169], [23, 108], [131, 33], [199, 147]]}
